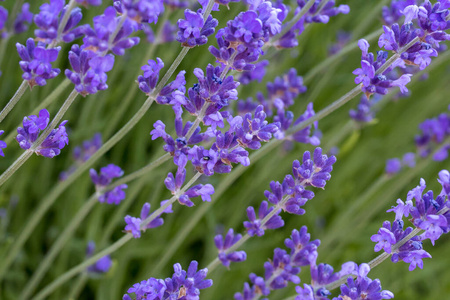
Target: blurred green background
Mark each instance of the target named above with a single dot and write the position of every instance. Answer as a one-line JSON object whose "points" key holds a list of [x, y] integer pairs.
{"points": [[346, 236]]}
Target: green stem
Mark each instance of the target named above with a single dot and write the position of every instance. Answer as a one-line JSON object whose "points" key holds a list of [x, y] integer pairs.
{"points": [[65, 19], [3, 45], [15, 166], [57, 247], [78, 286], [19, 93], [118, 244]]}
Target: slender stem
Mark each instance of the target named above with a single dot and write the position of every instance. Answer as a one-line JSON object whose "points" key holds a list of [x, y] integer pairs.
{"points": [[57, 247], [118, 244], [19, 93], [78, 286], [65, 19], [81, 267], [3, 45], [140, 172], [15, 166]]}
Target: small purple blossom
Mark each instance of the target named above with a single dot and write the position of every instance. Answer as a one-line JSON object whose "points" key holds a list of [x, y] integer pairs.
{"points": [[148, 81], [193, 31], [23, 20], [98, 39], [103, 179], [89, 70], [36, 62], [54, 142], [254, 225]]}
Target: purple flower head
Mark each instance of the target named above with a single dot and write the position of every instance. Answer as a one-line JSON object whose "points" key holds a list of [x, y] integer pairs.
{"points": [[2, 144], [305, 293], [140, 11], [148, 81], [363, 287], [193, 31], [89, 70], [54, 142], [106, 175], [223, 244], [32, 126], [258, 287], [365, 73], [444, 180], [254, 225], [174, 93], [253, 130], [88, 148], [103, 179], [303, 250], [48, 19], [23, 20], [103, 265], [98, 39], [36, 62], [212, 89], [147, 289]]}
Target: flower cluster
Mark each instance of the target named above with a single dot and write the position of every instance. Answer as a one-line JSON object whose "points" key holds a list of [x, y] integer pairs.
{"points": [[2, 144], [148, 81], [394, 12], [49, 18], [187, 283], [394, 165], [428, 213], [193, 30], [240, 42], [89, 70], [103, 179], [284, 267], [291, 194], [29, 133], [136, 225], [36, 62], [23, 20]]}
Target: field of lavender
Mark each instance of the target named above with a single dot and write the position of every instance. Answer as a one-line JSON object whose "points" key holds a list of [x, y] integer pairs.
{"points": [[175, 149]]}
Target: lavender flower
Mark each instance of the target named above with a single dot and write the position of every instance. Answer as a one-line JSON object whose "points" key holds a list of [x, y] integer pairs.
{"points": [[256, 74], [103, 265], [36, 62], [187, 283], [433, 134], [103, 179], [98, 39], [32, 126], [363, 287], [392, 13], [193, 31], [54, 142], [3, 19], [2, 144], [134, 225], [48, 19], [254, 225], [89, 70], [148, 81], [223, 244]]}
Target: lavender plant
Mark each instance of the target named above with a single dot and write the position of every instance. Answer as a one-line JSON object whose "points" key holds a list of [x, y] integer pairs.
{"points": [[182, 101]]}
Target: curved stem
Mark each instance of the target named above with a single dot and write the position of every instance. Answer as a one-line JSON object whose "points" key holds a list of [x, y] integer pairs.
{"points": [[118, 244], [19, 93], [57, 247], [65, 19]]}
